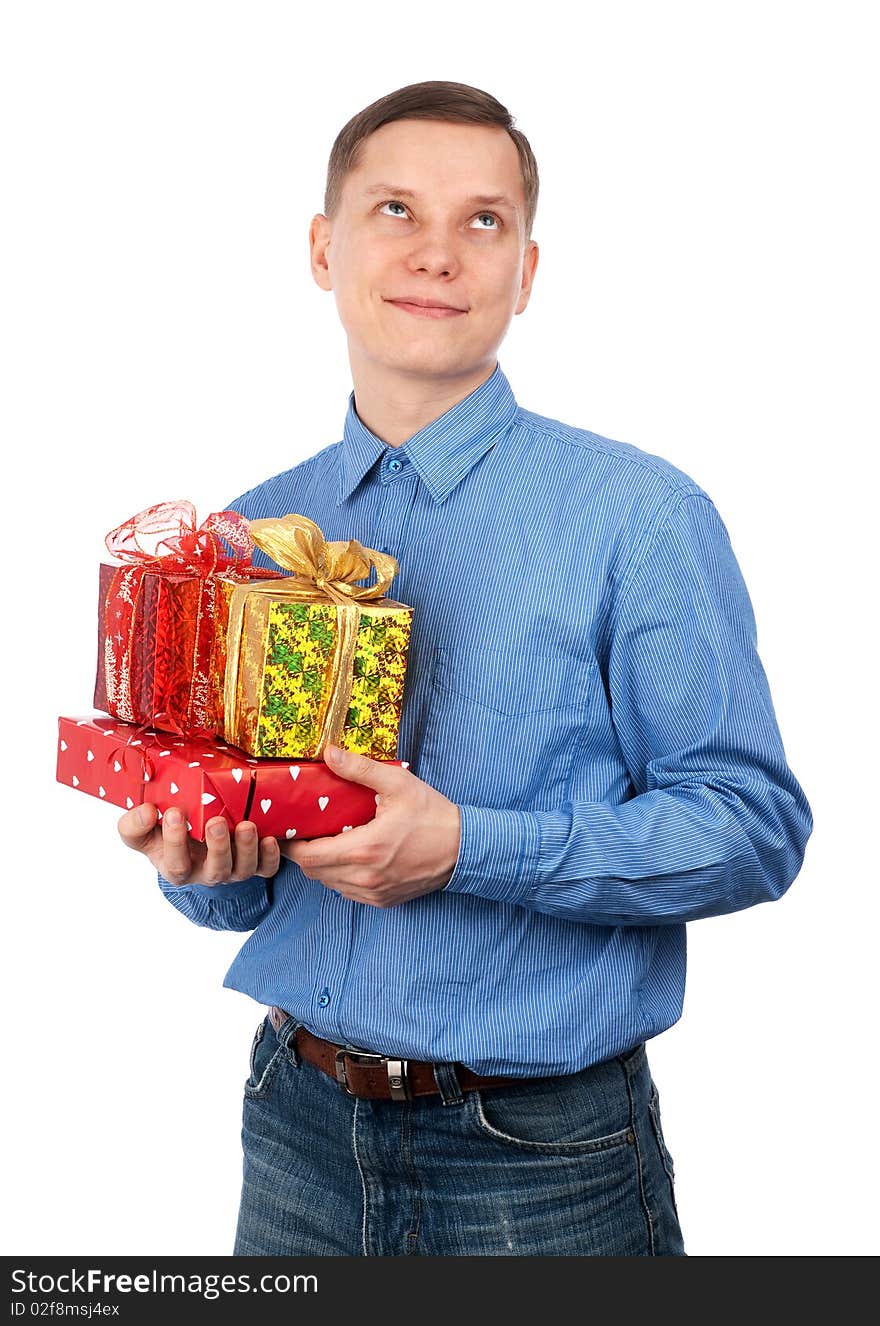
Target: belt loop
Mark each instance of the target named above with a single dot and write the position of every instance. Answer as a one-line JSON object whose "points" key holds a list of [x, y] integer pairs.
{"points": [[286, 1027], [448, 1084]]}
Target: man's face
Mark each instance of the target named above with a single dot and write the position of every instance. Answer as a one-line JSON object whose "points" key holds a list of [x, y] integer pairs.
{"points": [[429, 236]]}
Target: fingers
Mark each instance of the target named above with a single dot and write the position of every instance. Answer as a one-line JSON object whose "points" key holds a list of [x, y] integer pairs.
{"points": [[183, 860], [177, 862], [241, 857], [270, 858], [138, 828], [218, 867], [230, 859]]}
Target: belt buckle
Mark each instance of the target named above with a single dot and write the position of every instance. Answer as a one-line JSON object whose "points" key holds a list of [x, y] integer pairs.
{"points": [[398, 1071]]}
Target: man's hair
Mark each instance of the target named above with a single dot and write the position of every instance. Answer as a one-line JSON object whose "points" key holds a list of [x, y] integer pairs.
{"points": [[457, 103]]}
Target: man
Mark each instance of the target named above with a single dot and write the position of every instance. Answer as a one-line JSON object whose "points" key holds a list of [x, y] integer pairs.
{"points": [[460, 992]]}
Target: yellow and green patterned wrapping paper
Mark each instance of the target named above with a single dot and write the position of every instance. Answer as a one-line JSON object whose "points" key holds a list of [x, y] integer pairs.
{"points": [[315, 658]]}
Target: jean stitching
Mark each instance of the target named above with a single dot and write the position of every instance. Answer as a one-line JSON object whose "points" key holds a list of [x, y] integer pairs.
{"points": [[406, 1148], [642, 1193], [255, 1045], [261, 1089], [593, 1145], [357, 1161], [665, 1158]]}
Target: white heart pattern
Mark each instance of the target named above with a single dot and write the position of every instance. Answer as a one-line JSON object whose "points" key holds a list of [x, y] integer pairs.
{"points": [[147, 777], [294, 771], [346, 827], [83, 722], [404, 764], [63, 744], [129, 803], [290, 833], [237, 775], [90, 755], [323, 802], [193, 764], [116, 766], [164, 752], [101, 792], [265, 804], [137, 743], [75, 781], [174, 789], [207, 798]]}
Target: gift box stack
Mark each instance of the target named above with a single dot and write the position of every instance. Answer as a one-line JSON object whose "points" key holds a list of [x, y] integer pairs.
{"points": [[223, 683]]}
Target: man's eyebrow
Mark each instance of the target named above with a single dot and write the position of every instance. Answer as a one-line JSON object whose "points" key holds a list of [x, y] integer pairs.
{"points": [[481, 199]]}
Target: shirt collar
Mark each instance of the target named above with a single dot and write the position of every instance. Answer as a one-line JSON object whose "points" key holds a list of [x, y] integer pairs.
{"points": [[442, 452]]}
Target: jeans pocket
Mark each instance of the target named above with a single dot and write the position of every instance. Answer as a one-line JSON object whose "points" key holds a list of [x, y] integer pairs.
{"points": [[266, 1058], [573, 1114]]}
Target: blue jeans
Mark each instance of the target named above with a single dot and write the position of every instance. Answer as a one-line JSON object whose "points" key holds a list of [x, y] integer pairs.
{"points": [[563, 1166]]}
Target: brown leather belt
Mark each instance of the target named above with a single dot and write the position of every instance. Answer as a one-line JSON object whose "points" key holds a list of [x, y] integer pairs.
{"points": [[377, 1076]]}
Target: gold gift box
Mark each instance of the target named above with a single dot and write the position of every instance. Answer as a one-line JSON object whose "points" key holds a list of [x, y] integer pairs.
{"points": [[314, 657]]}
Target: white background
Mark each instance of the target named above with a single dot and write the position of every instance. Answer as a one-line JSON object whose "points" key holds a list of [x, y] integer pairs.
{"points": [[706, 291]]}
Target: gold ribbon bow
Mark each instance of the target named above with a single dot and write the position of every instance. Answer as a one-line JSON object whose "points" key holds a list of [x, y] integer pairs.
{"points": [[296, 543], [321, 572]]}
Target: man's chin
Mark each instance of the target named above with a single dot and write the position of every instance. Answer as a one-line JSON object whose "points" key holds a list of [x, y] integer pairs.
{"points": [[428, 366]]}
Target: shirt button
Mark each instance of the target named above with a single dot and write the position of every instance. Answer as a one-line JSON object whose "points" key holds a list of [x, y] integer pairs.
{"points": [[395, 465], [324, 997]]}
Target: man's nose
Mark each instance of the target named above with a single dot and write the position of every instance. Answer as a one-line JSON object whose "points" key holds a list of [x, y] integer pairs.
{"points": [[435, 251]]}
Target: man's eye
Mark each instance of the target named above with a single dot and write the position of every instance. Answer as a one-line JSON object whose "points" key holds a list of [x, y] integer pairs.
{"points": [[392, 202]]}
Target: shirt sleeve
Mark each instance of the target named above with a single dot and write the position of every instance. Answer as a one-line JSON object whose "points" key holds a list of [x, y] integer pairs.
{"points": [[717, 821], [239, 906]]}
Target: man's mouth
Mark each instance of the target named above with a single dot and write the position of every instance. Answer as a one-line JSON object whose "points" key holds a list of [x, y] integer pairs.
{"points": [[427, 310]]}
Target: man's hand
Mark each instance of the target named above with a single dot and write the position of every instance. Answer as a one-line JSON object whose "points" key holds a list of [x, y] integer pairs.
{"points": [[410, 848], [183, 860]]}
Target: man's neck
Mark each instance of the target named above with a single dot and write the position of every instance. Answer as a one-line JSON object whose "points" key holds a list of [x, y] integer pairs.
{"points": [[394, 410]]}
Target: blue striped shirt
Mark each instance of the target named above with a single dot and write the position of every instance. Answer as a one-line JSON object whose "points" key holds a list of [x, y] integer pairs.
{"points": [[583, 682]]}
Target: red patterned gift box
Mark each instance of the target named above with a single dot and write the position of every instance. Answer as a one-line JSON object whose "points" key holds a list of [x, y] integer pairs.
{"points": [[162, 619], [128, 765]]}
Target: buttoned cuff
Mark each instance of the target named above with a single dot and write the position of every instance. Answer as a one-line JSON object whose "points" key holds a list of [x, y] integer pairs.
{"points": [[235, 906], [497, 856], [226, 889]]}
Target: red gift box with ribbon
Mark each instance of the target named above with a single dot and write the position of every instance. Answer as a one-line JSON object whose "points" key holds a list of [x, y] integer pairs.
{"points": [[128, 764], [162, 621]]}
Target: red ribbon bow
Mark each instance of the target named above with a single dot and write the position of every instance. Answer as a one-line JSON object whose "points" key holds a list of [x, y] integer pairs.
{"points": [[188, 547]]}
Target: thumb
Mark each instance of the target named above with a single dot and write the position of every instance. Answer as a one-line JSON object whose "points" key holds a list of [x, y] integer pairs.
{"points": [[361, 769]]}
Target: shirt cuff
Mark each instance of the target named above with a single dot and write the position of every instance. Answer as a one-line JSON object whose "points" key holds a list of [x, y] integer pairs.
{"points": [[226, 889], [497, 856]]}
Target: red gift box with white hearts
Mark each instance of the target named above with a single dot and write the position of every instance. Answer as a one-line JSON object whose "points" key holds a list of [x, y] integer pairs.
{"points": [[127, 765]]}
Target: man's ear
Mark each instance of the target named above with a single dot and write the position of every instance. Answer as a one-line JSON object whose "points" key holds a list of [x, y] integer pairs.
{"points": [[530, 266], [319, 242]]}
